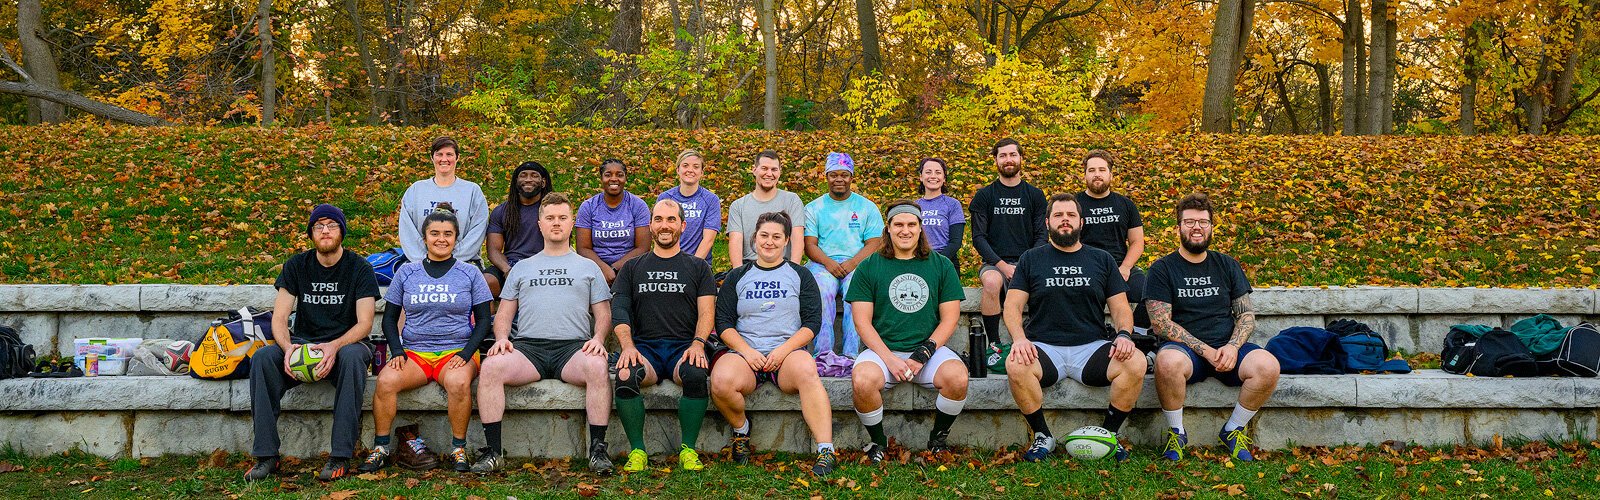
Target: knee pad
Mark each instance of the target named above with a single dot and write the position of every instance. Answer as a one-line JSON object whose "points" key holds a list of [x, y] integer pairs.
{"points": [[628, 388], [696, 381]]}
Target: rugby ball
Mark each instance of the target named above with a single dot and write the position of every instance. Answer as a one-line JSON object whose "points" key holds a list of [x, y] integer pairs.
{"points": [[303, 363], [176, 355], [1090, 443]]}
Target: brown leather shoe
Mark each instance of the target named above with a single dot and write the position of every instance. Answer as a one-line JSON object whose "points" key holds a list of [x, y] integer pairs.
{"points": [[410, 452]]}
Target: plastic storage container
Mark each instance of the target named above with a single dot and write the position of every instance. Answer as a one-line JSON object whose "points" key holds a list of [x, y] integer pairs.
{"points": [[123, 347], [109, 365]]}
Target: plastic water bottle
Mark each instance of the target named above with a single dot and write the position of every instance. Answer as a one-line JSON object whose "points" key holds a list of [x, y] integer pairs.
{"points": [[977, 350]]}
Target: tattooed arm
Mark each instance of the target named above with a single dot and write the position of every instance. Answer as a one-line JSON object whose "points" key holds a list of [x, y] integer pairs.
{"points": [[1244, 320], [1161, 322]]}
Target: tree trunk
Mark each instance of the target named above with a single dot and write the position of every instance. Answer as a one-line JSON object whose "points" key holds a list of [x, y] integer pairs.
{"points": [[1350, 88], [627, 37], [1390, 31], [1229, 35], [78, 101], [871, 58], [1324, 100], [1561, 100], [1288, 108], [1378, 72], [770, 45], [1467, 123], [370, 66], [39, 61], [269, 84], [1533, 104]]}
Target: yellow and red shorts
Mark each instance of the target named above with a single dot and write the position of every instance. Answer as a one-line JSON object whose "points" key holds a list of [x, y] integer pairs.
{"points": [[433, 362]]}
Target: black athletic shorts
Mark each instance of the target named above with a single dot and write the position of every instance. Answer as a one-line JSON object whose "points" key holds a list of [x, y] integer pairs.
{"points": [[547, 355]]}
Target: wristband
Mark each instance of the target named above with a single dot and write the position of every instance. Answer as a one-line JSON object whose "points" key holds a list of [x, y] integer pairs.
{"points": [[1125, 334], [923, 352], [703, 341]]}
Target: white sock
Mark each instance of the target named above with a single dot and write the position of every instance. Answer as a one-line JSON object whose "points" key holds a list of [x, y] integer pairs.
{"points": [[949, 406], [1240, 418], [743, 429], [1174, 419], [873, 417], [821, 447]]}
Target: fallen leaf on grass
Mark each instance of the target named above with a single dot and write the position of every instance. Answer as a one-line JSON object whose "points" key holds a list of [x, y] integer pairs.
{"points": [[588, 490], [374, 476], [341, 495], [9, 467], [412, 482]]}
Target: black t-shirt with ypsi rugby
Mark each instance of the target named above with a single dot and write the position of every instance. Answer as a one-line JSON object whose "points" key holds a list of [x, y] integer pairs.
{"points": [[1201, 294], [1106, 222], [659, 298], [326, 296], [1067, 293]]}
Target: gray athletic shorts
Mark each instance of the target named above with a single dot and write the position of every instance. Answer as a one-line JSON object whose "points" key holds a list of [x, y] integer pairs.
{"points": [[923, 378]]}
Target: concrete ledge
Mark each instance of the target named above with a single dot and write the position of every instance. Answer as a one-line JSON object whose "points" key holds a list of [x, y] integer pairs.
{"points": [[1506, 301], [184, 298], [1419, 389], [40, 298], [1335, 300]]}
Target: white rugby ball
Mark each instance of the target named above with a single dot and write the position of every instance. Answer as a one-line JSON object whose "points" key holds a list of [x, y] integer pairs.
{"points": [[1090, 443]]}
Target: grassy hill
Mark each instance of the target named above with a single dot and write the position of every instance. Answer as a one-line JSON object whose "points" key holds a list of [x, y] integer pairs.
{"points": [[95, 204]]}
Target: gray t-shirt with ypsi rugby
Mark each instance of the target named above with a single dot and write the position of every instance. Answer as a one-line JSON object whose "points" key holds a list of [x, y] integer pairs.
{"points": [[553, 295]]}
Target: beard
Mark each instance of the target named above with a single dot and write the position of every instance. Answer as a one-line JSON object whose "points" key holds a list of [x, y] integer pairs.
{"points": [[668, 243], [328, 247], [1064, 238], [1010, 170], [529, 191], [1100, 188], [1200, 247]]}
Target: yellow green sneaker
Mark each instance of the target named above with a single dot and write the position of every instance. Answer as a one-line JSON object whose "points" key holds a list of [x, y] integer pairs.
{"points": [[637, 461], [688, 458]]}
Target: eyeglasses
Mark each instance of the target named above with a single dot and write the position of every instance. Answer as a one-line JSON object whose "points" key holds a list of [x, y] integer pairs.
{"points": [[1196, 223], [331, 226]]}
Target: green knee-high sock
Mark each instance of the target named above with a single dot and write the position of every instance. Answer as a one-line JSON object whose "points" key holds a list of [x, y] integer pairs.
{"points": [[631, 412], [691, 411]]}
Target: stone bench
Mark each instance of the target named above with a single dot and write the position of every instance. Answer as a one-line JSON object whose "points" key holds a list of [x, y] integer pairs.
{"points": [[150, 416], [1414, 319]]}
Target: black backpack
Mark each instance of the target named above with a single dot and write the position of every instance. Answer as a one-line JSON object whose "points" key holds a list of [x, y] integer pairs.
{"points": [[1498, 353], [16, 357], [1579, 354]]}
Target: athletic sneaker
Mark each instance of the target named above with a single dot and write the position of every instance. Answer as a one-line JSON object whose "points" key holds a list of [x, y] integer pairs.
{"points": [[458, 456], [1123, 454], [937, 444], [637, 461], [874, 453], [826, 461], [740, 443], [1238, 444], [263, 468], [1042, 446], [376, 461], [688, 458], [599, 460], [488, 461], [335, 469], [1175, 443]]}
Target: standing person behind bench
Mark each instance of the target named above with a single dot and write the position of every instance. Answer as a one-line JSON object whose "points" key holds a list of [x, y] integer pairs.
{"points": [[767, 312], [843, 229], [765, 197], [1199, 301], [514, 225], [1068, 287], [943, 221], [562, 310], [906, 302], [1007, 219], [662, 307], [333, 292], [446, 307], [471, 208], [1111, 222], [613, 225], [702, 209]]}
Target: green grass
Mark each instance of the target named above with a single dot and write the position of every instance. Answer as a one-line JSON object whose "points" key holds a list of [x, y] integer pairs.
{"points": [[1531, 470]]}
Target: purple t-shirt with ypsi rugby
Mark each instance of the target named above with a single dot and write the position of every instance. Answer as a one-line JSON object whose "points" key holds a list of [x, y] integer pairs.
{"points": [[938, 215], [612, 228]]}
